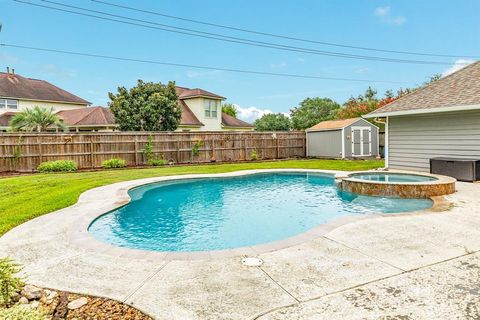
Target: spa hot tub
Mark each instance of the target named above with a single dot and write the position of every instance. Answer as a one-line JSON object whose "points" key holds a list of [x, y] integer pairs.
{"points": [[397, 184]]}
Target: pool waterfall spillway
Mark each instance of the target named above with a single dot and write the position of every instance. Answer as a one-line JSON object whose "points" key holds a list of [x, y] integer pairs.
{"points": [[235, 210], [396, 184]]}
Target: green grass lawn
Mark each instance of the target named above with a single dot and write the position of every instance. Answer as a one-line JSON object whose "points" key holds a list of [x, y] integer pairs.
{"points": [[26, 197]]}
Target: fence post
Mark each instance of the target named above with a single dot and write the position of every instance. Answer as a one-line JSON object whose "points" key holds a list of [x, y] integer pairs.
{"points": [[304, 146], [178, 149], [92, 157], [278, 148], [213, 150], [245, 147], [39, 142], [136, 150]]}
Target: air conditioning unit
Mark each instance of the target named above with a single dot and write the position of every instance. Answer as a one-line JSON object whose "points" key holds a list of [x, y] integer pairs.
{"points": [[458, 168]]}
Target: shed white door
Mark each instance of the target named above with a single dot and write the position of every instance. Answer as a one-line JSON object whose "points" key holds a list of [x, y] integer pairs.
{"points": [[361, 141]]}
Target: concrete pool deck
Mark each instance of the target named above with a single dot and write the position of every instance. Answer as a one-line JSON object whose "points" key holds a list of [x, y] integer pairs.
{"points": [[412, 266]]}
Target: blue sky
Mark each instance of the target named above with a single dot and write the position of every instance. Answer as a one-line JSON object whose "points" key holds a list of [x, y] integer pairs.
{"points": [[440, 26]]}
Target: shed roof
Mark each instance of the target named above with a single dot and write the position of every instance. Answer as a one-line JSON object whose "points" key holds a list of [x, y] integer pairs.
{"points": [[16, 86], [333, 124], [457, 91]]}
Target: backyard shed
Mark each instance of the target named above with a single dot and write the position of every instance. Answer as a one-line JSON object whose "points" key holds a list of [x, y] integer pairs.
{"points": [[345, 139], [441, 119]]}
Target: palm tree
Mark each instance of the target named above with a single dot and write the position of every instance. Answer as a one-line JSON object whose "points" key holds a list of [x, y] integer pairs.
{"points": [[36, 119]]}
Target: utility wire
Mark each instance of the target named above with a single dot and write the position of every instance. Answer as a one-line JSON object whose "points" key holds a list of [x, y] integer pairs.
{"points": [[108, 57], [223, 37], [282, 36]]}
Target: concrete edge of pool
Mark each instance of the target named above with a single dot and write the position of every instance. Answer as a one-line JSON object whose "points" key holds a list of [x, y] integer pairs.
{"points": [[98, 201]]}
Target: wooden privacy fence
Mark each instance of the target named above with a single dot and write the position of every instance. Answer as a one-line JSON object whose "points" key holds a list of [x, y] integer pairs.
{"points": [[24, 152]]}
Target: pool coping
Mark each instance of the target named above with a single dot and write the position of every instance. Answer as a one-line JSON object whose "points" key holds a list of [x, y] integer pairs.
{"points": [[99, 201]]}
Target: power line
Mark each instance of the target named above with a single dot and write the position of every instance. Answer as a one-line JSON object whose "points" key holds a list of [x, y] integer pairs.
{"points": [[224, 37], [282, 36], [291, 75]]}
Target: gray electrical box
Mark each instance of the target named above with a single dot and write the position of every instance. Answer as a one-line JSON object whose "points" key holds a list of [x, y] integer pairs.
{"points": [[458, 168]]}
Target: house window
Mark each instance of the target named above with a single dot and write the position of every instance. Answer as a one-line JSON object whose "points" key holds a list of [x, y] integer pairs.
{"points": [[211, 108], [8, 104]]}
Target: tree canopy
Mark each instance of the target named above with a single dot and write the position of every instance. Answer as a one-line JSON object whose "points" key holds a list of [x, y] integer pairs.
{"points": [[36, 119], [148, 106], [312, 111], [272, 122], [368, 102], [230, 109]]}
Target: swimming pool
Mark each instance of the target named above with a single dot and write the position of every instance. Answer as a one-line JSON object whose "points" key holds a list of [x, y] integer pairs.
{"points": [[231, 212]]}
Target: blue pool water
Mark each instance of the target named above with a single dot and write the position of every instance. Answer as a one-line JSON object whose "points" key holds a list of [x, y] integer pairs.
{"points": [[222, 213], [392, 177]]}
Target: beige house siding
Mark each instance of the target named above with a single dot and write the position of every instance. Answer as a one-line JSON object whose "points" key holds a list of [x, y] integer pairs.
{"points": [[413, 140], [198, 108], [57, 106]]}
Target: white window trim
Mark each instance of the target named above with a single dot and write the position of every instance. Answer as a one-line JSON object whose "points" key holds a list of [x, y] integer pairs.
{"points": [[208, 104], [4, 105]]}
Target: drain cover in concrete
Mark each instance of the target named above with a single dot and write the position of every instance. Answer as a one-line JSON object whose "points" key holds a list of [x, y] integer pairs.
{"points": [[252, 262]]}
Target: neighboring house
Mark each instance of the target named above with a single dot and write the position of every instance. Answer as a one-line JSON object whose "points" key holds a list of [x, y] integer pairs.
{"points": [[18, 93], [346, 138], [88, 119], [441, 119], [202, 111]]}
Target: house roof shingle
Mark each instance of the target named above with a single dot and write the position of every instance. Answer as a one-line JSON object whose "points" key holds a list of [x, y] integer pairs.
{"points": [[229, 121], [333, 124], [93, 116], [185, 93], [5, 118], [188, 117], [461, 88], [16, 86]]}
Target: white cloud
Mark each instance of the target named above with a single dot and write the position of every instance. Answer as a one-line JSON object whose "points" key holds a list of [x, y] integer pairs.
{"points": [[361, 70], [382, 11], [457, 65], [398, 20], [280, 65], [250, 114], [385, 15]]}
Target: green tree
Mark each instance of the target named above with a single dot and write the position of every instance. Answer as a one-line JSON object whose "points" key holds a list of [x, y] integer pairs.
{"points": [[272, 122], [230, 109], [148, 106], [311, 111], [36, 119]]}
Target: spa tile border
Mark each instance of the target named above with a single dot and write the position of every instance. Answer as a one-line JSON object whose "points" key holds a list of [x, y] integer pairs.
{"points": [[99, 201]]}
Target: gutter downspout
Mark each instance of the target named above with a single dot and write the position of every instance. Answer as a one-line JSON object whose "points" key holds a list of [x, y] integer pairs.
{"points": [[377, 120], [386, 143]]}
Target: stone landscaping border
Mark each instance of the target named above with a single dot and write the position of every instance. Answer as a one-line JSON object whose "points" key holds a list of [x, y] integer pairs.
{"points": [[99, 201]]}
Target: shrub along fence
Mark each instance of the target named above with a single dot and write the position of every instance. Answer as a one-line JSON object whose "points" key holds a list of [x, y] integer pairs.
{"points": [[23, 152]]}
